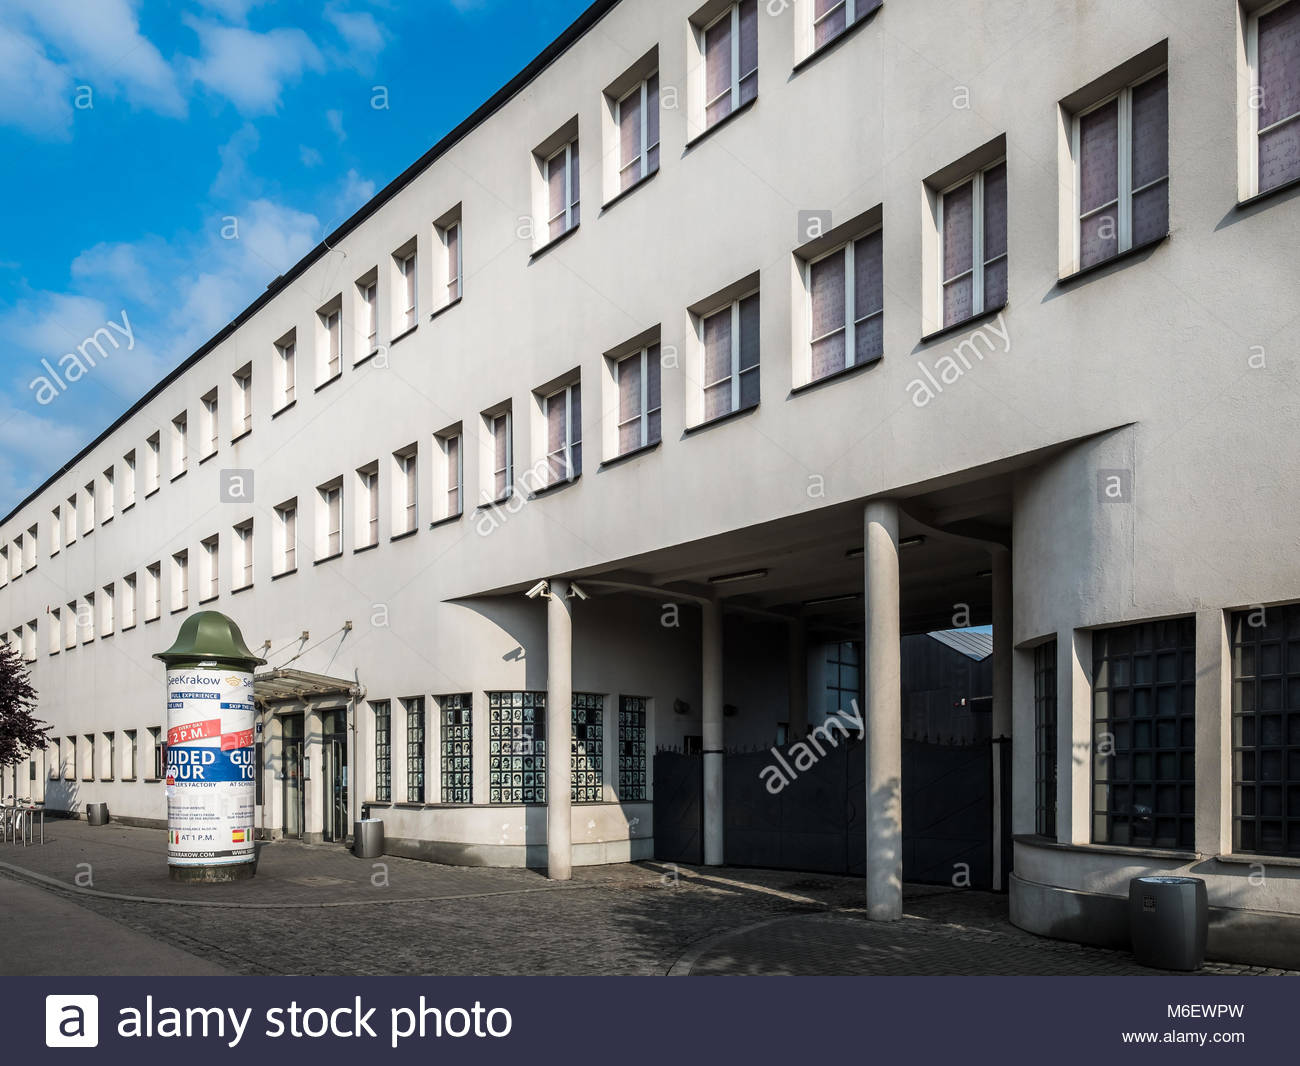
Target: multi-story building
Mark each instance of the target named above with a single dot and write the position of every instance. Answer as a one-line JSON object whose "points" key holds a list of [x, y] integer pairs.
{"points": [[888, 318]]}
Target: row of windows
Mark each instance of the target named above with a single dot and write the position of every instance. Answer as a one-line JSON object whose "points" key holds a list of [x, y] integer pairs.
{"points": [[516, 765], [100, 757], [1144, 733], [1120, 197]]}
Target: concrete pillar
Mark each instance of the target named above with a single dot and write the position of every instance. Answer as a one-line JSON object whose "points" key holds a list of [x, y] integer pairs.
{"points": [[1074, 736], [559, 732], [798, 671], [1213, 733], [1002, 642], [883, 713], [711, 673]]}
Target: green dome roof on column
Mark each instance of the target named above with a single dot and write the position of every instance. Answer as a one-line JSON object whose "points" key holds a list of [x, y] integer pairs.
{"points": [[209, 636]]}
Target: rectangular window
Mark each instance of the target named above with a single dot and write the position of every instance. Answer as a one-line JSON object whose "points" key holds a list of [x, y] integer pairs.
{"points": [[181, 580], [637, 119], [159, 752], [414, 749], [407, 495], [107, 609], [846, 306], [638, 381], [1273, 44], [70, 626], [29, 641], [1121, 152], [210, 585], [843, 678], [564, 434], [56, 534], [56, 631], [153, 591], [383, 750], [241, 420], [86, 618], [830, 18], [517, 747], [130, 755], [370, 313], [730, 61], [406, 269], [128, 601], [367, 520], [87, 522], [1144, 734], [180, 444], [332, 321], [453, 475], [330, 512], [588, 750], [288, 359], [1045, 724], [110, 757], [211, 430], [241, 575], [503, 460], [109, 500], [562, 192], [730, 339], [286, 528], [973, 235], [152, 464], [88, 757], [128, 480], [631, 748], [1266, 731], [455, 265], [70, 521], [457, 749]]}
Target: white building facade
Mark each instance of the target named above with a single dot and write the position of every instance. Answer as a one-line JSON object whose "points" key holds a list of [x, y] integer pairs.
{"points": [[737, 334]]}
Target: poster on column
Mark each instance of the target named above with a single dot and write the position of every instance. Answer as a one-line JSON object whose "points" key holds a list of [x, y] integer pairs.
{"points": [[210, 766]]}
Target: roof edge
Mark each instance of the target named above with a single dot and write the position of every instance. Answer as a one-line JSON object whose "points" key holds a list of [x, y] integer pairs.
{"points": [[571, 35]]}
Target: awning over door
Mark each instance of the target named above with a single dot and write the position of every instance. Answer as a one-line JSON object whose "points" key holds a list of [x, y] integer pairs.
{"points": [[284, 685]]}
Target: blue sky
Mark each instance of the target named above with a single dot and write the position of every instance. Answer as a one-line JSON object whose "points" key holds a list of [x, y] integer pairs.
{"points": [[131, 129]]}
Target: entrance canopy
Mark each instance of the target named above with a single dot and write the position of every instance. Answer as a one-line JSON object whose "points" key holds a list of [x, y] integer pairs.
{"points": [[283, 685]]}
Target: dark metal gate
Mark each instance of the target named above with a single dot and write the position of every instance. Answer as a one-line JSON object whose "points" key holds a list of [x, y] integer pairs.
{"points": [[817, 821]]}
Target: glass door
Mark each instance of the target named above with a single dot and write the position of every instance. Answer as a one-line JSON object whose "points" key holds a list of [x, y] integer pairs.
{"points": [[335, 792], [291, 776]]}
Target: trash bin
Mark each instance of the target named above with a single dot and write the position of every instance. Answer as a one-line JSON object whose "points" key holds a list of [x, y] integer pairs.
{"points": [[97, 813], [368, 838], [1168, 918]]}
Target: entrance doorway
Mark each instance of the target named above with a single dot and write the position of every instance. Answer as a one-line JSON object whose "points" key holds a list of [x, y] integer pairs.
{"points": [[335, 792], [291, 747]]}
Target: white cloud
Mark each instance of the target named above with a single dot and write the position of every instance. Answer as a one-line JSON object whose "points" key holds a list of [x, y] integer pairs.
{"points": [[356, 191], [335, 119], [251, 69], [234, 178], [231, 10], [35, 92], [360, 32], [309, 157], [126, 268], [102, 43]]}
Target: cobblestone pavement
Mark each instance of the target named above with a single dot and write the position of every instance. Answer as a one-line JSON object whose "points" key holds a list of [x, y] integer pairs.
{"points": [[318, 910]]}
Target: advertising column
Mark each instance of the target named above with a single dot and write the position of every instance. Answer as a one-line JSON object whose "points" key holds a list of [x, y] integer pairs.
{"points": [[211, 770]]}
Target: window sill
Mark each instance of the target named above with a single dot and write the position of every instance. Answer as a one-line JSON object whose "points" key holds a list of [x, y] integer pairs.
{"points": [[493, 505], [210, 455], [405, 333], [242, 588], [129, 507], [1260, 197], [176, 477], [103, 522], [445, 308], [283, 573], [84, 534], [152, 492], [553, 242], [833, 43], [409, 805], [364, 548], [718, 420], [328, 382], [720, 123], [287, 407], [1238, 859], [365, 359], [1114, 260], [179, 610], [125, 779], [236, 439], [403, 536], [625, 456], [210, 599], [1172, 854], [622, 194], [153, 780], [965, 323], [155, 618], [103, 779], [554, 487], [127, 629], [327, 558], [447, 520], [839, 375]]}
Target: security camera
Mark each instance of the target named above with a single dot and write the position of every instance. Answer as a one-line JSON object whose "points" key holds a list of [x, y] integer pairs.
{"points": [[576, 590], [540, 589]]}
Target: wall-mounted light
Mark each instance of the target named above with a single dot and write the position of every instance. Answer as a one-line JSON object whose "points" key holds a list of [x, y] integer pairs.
{"points": [[744, 575]]}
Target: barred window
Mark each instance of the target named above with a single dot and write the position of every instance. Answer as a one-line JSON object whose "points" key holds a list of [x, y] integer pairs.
{"points": [[631, 748], [517, 747], [1045, 723], [414, 749], [1266, 731], [383, 751], [588, 747], [457, 748], [1144, 734]]}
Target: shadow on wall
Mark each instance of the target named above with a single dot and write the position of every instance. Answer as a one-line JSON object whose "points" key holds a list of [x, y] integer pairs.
{"points": [[62, 794]]}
